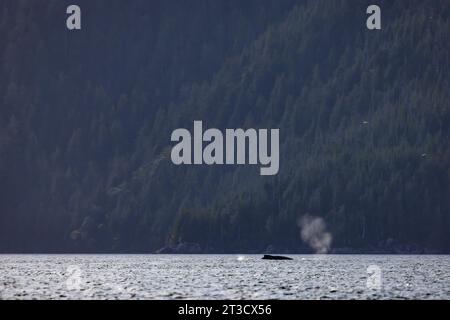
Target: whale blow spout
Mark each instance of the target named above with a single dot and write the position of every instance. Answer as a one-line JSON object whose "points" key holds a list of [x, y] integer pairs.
{"points": [[270, 257]]}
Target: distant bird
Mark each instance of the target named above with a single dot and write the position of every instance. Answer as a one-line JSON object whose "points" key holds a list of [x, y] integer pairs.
{"points": [[424, 155], [365, 122]]}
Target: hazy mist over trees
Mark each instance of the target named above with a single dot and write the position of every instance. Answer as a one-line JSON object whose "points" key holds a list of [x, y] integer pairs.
{"points": [[86, 118]]}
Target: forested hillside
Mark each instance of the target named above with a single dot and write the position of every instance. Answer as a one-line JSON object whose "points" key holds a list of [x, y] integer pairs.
{"points": [[86, 118]]}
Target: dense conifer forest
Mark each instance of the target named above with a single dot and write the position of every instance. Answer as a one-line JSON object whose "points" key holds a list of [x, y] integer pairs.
{"points": [[86, 118]]}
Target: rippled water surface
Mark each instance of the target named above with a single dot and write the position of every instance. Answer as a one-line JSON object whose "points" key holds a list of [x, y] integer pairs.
{"points": [[223, 277]]}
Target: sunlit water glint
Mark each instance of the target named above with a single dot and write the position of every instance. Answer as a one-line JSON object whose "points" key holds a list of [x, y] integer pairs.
{"points": [[223, 277]]}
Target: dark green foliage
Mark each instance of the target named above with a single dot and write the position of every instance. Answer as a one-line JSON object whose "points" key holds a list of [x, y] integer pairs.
{"points": [[86, 117]]}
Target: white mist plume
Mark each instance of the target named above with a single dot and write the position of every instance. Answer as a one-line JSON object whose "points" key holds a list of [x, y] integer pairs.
{"points": [[313, 232]]}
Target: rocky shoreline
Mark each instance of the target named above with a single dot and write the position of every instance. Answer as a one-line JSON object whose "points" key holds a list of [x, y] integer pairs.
{"points": [[389, 246]]}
